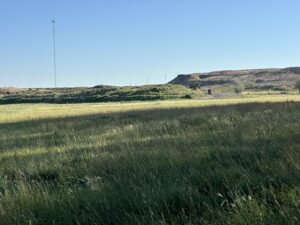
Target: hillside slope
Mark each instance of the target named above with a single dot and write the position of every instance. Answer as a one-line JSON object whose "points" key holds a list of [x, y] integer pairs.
{"points": [[255, 79]]}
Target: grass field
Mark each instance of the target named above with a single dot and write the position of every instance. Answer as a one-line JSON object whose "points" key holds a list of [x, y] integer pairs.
{"points": [[184, 162]]}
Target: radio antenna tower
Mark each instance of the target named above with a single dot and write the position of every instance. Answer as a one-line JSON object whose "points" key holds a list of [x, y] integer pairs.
{"points": [[54, 53]]}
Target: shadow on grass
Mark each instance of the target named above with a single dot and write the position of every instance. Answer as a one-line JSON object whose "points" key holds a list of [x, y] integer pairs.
{"points": [[148, 179], [124, 188], [157, 114]]}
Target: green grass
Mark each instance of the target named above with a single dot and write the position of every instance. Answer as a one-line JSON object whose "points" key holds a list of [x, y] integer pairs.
{"points": [[99, 93], [172, 162]]}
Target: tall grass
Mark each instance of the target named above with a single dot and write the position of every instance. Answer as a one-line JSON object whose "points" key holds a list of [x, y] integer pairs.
{"points": [[234, 164]]}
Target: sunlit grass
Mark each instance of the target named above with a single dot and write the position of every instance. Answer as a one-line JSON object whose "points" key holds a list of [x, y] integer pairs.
{"points": [[190, 162], [21, 112]]}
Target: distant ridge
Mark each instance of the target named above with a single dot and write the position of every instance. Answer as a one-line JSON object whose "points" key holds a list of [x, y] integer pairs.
{"points": [[262, 79]]}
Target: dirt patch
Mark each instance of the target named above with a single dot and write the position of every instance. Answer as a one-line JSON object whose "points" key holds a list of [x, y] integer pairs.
{"points": [[12, 90]]}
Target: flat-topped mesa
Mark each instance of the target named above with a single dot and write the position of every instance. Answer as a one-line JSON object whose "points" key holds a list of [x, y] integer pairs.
{"points": [[272, 78]]}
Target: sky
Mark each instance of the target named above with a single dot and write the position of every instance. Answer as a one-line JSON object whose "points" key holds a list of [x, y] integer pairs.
{"points": [[135, 42]]}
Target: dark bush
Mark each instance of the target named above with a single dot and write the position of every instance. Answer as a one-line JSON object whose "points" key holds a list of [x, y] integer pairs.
{"points": [[155, 90], [187, 96]]}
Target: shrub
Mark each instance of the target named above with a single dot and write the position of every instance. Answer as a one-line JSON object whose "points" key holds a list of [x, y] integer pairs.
{"points": [[187, 96], [155, 89], [298, 85], [238, 89]]}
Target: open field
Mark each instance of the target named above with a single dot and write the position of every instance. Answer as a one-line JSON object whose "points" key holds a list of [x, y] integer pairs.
{"points": [[211, 161], [20, 112]]}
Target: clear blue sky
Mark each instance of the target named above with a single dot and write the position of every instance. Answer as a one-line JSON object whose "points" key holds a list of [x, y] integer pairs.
{"points": [[122, 42]]}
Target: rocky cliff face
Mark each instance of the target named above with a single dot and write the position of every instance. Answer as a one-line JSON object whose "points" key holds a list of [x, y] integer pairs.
{"points": [[264, 79]]}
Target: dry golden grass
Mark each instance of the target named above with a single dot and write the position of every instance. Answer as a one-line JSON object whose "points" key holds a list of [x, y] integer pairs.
{"points": [[21, 112]]}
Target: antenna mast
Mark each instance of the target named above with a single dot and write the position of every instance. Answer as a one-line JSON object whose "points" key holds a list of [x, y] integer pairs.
{"points": [[54, 53]]}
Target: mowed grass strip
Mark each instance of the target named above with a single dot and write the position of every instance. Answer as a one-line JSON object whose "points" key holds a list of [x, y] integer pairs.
{"points": [[174, 162]]}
